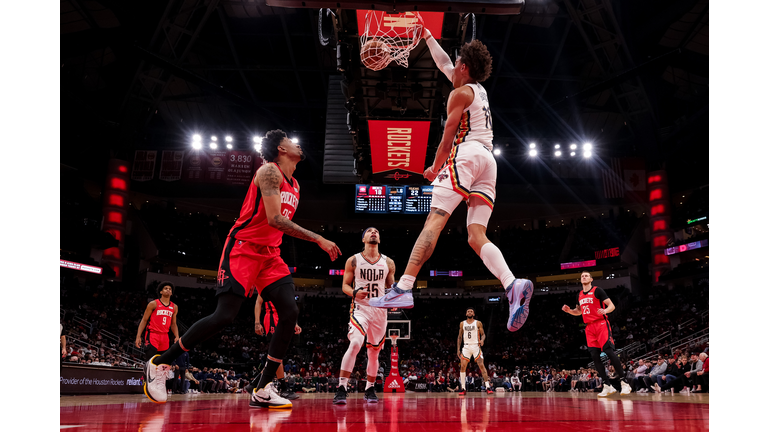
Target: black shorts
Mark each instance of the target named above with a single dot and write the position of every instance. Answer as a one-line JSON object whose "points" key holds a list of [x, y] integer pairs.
{"points": [[151, 351]]}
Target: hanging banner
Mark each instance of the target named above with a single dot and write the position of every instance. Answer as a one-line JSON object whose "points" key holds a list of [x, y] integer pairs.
{"points": [[144, 165], [400, 24], [226, 167], [240, 167], [170, 165], [398, 145]]}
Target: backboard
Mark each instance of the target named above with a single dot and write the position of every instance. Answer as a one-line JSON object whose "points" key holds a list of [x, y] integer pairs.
{"points": [[401, 327], [492, 7]]}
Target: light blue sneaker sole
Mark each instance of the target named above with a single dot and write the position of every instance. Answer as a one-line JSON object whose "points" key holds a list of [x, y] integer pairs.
{"points": [[521, 289], [402, 301]]}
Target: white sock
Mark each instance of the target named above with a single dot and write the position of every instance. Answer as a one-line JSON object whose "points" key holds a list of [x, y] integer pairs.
{"points": [[343, 382], [463, 376], [487, 384], [494, 260], [368, 385], [406, 282]]}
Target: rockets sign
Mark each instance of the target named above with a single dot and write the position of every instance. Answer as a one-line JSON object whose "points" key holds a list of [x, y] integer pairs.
{"points": [[398, 145]]}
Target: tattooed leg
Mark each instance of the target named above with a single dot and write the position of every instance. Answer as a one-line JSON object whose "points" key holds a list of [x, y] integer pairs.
{"points": [[427, 240]]}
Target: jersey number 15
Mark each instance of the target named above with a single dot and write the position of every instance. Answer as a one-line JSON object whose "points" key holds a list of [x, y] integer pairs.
{"points": [[372, 289]]}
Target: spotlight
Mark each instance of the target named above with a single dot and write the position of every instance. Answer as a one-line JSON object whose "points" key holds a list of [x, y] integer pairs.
{"points": [[557, 146], [229, 146], [196, 137], [257, 147], [587, 146], [212, 145], [496, 152], [228, 138], [196, 145], [213, 138], [532, 146], [574, 146], [587, 154], [257, 140], [295, 140], [532, 153], [558, 153], [573, 153]]}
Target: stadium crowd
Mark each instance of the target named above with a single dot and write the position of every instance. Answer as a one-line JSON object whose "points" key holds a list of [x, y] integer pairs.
{"points": [[527, 360]]}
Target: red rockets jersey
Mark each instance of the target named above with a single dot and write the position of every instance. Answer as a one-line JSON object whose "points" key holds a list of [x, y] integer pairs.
{"points": [[252, 225], [590, 303], [160, 320]]}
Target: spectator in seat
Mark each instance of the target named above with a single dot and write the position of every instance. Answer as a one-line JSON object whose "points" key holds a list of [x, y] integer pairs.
{"points": [[639, 372], [672, 372], [190, 380], [678, 383], [659, 369], [702, 376], [514, 381], [453, 384], [470, 382]]}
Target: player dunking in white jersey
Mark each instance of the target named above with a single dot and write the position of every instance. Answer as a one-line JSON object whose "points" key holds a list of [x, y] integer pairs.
{"points": [[366, 275], [471, 332], [469, 175]]}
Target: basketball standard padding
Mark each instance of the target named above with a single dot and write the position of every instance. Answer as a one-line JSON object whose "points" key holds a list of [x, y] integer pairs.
{"points": [[375, 55]]}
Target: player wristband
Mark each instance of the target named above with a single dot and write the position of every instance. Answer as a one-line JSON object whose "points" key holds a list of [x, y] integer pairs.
{"points": [[354, 292]]}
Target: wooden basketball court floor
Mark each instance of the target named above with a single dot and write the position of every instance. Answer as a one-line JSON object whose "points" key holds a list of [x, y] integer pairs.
{"points": [[410, 412]]}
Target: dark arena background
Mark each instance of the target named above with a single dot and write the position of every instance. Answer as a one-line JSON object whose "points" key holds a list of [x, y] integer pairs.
{"points": [[600, 117]]}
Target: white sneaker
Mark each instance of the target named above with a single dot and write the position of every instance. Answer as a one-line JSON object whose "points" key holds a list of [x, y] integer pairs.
{"points": [[607, 391], [643, 390], [154, 381], [657, 388], [625, 388], [268, 397]]}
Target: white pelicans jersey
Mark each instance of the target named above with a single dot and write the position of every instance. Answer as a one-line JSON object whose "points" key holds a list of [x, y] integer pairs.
{"points": [[471, 336], [475, 123], [371, 277]]}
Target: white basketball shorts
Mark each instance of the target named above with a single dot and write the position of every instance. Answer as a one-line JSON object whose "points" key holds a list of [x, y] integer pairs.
{"points": [[470, 171], [469, 351], [371, 322]]}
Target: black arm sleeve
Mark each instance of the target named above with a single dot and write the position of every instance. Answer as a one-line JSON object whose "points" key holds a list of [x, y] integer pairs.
{"points": [[600, 294]]}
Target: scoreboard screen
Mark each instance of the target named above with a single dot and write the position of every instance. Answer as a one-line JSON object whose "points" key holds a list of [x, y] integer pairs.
{"points": [[394, 199]]}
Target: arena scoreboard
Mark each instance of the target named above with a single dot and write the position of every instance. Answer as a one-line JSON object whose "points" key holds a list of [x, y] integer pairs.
{"points": [[393, 199]]}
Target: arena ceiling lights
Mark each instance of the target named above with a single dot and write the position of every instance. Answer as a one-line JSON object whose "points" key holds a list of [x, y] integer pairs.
{"points": [[213, 144], [558, 150]]}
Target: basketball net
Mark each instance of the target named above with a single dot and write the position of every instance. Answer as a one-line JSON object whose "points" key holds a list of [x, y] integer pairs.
{"points": [[394, 339], [400, 33]]}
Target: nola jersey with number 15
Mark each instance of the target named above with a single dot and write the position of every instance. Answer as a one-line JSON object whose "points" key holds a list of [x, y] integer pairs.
{"points": [[370, 276]]}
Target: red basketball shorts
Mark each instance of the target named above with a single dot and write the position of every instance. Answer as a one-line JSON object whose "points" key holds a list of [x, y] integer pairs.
{"points": [[246, 267], [158, 340], [598, 334]]}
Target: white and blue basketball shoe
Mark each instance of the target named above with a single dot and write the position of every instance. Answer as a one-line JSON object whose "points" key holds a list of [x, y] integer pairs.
{"points": [[393, 298], [519, 294]]}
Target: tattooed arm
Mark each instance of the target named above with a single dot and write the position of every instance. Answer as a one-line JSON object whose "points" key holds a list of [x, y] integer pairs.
{"points": [[391, 275], [268, 179], [348, 284]]}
